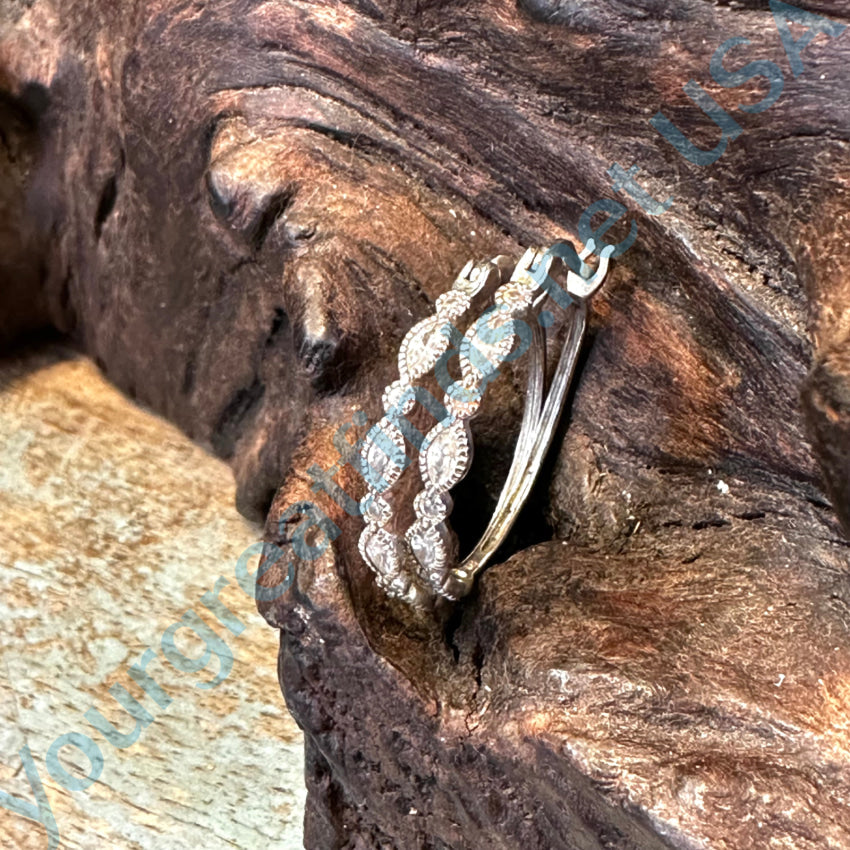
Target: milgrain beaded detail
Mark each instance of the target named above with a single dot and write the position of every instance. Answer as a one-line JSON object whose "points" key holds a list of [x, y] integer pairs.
{"points": [[515, 295], [426, 341], [445, 457], [464, 396], [422, 348], [519, 292], [421, 564], [376, 510], [383, 455], [378, 544], [393, 395], [453, 304], [384, 551], [487, 343], [485, 346], [383, 458], [446, 454], [382, 465], [432, 545], [432, 504]]}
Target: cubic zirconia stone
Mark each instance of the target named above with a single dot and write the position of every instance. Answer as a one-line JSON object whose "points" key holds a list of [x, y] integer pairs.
{"points": [[376, 509], [432, 505], [382, 457], [484, 348], [381, 549], [428, 546], [444, 459], [422, 348]]}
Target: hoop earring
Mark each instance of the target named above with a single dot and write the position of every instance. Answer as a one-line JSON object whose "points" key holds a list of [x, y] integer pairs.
{"points": [[419, 564]]}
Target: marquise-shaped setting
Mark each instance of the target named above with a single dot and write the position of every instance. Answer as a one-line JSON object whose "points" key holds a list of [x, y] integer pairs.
{"points": [[422, 348], [432, 505], [486, 345], [446, 454], [420, 564], [463, 397], [381, 549], [375, 509], [382, 456], [431, 544]]}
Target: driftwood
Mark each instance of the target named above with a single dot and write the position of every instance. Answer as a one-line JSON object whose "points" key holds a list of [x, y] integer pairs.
{"points": [[73, 448], [237, 209]]}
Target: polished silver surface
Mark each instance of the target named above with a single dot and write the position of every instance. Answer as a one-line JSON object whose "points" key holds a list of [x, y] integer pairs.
{"points": [[421, 563]]}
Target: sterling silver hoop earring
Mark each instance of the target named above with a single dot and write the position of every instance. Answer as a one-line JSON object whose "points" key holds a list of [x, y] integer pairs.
{"points": [[420, 562]]}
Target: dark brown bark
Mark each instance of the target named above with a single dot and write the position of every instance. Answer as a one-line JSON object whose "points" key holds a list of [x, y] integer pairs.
{"points": [[239, 208]]}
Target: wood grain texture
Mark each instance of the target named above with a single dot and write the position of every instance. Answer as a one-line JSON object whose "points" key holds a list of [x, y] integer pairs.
{"points": [[114, 525], [238, 208]]}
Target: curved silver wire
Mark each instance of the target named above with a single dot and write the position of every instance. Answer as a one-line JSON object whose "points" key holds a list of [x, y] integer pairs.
{"points": [[540, 419], [539, 422]]}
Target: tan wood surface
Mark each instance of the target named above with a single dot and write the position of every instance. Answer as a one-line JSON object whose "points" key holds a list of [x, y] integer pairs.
{"points": [[113, 526]]}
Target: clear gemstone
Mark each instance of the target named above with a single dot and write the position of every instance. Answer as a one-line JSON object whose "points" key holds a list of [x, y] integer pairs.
{"points": [[380, 549], [432, 505], [393, 395], [383, 457], [428, 545], [445, 457], [486, 345], [422, 348], [376, 509]]}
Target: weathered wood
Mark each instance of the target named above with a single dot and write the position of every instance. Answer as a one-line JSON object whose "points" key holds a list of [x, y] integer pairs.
{"points": [[105, 509], [243, 206]]}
